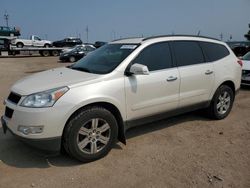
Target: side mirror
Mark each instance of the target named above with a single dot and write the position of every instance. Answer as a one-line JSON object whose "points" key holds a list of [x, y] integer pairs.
{"points": [[139, 69]]}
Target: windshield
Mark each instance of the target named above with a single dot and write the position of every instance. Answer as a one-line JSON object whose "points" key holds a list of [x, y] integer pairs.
{"points": [[105, 59], [246, 57]]}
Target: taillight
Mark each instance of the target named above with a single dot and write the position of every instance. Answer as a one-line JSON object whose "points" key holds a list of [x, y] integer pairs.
{"points": [[240, 62]]}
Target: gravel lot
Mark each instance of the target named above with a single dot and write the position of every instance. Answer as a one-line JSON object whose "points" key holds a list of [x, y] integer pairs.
{"points": [[185, 151]]}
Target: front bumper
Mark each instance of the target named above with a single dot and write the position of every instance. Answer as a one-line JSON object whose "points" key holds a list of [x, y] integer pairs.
{"points": [[245, 81], [64, 58], [46, 144], [245, 77]]}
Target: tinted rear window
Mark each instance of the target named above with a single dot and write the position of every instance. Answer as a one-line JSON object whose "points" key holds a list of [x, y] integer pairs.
{"points": [[214, 52], [188, 53]]}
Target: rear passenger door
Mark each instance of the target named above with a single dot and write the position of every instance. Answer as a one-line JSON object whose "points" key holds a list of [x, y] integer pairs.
{"points": [[196, 75], [157, 92]]}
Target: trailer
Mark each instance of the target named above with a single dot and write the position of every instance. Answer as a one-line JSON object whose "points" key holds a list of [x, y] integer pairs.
{"points": [[51, 51], [7, 49]]}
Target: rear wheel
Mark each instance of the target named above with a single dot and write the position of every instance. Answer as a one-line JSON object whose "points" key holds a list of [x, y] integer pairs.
{"points": [[19, 45], [91, 134], [45, 53], [222, 103], [46, 46], [55, 53]]}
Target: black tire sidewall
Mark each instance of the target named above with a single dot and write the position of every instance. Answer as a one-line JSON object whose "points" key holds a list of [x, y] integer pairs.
{"points": [[77, 123], [220, 90]]}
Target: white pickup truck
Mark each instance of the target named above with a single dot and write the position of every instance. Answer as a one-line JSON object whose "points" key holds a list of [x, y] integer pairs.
{"points": [[34, 41]]}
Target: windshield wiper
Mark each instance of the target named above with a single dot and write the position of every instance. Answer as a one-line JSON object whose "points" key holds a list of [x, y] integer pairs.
{"points": [[80, 69]]}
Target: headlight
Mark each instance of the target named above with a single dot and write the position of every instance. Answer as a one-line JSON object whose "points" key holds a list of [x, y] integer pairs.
{"points": [[44, 99]]}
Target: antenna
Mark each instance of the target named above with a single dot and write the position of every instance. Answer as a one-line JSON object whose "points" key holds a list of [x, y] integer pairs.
{"points": [[6, 17]]}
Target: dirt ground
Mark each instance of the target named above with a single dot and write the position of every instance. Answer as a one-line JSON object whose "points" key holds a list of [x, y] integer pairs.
{"points": [[185, 151]]}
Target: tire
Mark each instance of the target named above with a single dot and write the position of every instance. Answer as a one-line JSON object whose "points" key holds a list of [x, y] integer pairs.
{"points": [[19, 45], [221, 103], [90, 134], [45, 53], [46, 46], [54, 53], [72, 59]]}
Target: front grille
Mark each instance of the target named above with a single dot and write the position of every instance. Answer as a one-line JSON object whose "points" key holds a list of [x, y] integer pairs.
{"points": [[8, 112], [13, 97]]}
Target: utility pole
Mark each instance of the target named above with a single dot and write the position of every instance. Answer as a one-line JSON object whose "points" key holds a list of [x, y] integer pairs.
{"points": [[87, 32], [6, 17], [221, 36], [231, 37]]}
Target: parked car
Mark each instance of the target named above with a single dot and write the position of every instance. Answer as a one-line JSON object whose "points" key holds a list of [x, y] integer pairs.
{"points": [[76, 53], [245, 80], [87, 106], [8, 31], [34, 41], [67, 42], [98, 44]]}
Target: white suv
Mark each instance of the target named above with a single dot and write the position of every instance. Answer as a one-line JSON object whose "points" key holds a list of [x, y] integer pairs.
{"points": [[86, 107]]}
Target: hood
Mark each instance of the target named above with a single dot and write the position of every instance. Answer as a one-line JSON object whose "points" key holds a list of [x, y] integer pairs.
{"points": [[50, 79], [246, 65]]}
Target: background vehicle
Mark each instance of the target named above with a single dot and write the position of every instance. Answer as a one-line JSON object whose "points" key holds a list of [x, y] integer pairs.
{"points": [[245, 80], [120, 85], [67, 42], [239, 48], [34, 41], [8, 31], [76, 53], [4, 44], [98, 44]]}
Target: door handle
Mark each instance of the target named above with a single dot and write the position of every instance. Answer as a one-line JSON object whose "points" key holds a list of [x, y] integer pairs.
{"points": [[171, 78], [209, 72]]}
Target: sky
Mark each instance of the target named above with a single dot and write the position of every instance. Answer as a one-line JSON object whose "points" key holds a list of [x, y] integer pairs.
{"points": [[113, 19]]}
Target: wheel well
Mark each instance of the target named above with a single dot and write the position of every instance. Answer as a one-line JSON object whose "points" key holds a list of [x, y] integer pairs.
{"points": [[19, 43], [114, 110], [229, 84]]}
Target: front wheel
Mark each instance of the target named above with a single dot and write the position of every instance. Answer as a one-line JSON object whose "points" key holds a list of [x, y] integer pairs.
{"points": [[222, 103], [91, 134], [72, 59]]}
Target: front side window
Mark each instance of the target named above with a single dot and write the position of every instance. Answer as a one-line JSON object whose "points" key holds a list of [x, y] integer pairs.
{"points": [[213, 51], [188, 53], [105, 59], [155, 57], [37, 38]]}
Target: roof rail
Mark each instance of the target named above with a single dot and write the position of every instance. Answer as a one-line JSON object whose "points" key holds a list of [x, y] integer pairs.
{"points": [[127, 38], [159, 36]]}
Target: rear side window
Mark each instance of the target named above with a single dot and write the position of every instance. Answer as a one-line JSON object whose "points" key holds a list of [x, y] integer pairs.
{"points": [[155, 57], [188, 53], [214, 52]]}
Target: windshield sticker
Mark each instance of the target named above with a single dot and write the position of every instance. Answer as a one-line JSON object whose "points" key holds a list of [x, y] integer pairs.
{"points": [[131, 47]]}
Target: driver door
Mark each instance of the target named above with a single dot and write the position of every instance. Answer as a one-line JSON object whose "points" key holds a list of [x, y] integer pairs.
{"points": [[157, 92]]}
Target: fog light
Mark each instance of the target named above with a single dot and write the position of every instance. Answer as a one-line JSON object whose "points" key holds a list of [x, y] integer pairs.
{"points": [[30, 130]]}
